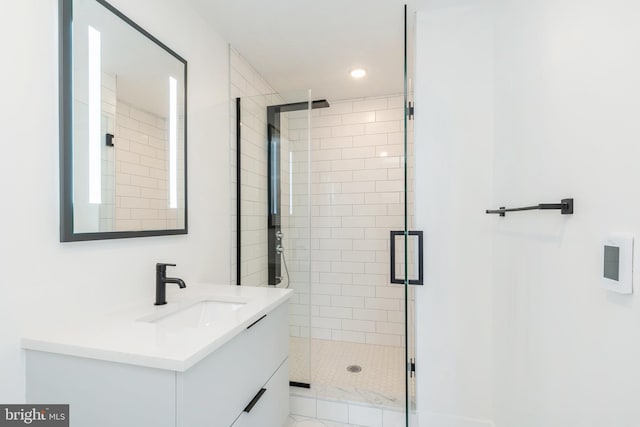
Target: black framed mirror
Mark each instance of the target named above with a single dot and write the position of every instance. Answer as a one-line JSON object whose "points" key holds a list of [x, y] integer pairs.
{"points": [[123, 127]]}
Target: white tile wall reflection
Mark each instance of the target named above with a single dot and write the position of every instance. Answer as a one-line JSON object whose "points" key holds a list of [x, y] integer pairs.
{"points": [[135, 169]]}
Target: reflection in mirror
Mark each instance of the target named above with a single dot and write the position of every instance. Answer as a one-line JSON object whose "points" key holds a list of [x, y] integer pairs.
{"points": [[127, 133]]}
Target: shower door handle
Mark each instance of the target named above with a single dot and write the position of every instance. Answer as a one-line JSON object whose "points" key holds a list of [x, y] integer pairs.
{"points": [[392, 250]]}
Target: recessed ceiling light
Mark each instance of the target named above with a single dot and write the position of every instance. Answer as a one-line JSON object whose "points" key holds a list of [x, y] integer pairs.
{"points": [[358, 73]]}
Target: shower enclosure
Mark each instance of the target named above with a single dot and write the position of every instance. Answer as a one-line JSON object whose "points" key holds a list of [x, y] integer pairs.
{"points": [[324, 206]]}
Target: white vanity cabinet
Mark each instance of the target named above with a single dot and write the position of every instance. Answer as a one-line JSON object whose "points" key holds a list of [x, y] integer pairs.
{"points": [[233, 375], [212, 393]]}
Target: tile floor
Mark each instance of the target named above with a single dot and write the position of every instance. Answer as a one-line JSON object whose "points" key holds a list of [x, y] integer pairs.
{"points": [[381, 381], [347, 413]]}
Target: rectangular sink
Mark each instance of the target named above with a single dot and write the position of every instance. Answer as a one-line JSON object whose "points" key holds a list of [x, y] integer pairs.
{"points": [[198, 315]]}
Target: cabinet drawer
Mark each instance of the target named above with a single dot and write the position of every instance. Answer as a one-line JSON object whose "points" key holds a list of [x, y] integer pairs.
{"points": [[273, 407], [213, 392], [101, 393]]}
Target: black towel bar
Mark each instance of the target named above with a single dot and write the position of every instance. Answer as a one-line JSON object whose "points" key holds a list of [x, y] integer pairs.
{"points": [[565, 206]]}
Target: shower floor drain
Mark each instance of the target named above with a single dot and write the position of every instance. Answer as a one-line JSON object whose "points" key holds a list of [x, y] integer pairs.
{"points": [[354, 369]]}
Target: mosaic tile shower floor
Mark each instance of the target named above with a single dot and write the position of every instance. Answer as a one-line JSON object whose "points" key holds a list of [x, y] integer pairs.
{"points": [[380, 382]]}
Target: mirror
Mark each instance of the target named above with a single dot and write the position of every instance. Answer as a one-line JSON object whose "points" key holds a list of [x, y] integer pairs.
{"points": [[123, 127]]}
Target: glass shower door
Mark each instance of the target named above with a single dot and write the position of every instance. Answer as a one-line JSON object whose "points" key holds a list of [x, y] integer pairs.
{"points": [[271, 178], [413, 239], [292, 117]]}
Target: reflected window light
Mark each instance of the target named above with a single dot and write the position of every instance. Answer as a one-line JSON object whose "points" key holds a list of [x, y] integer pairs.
{"points": [[384, 154], [173, 143], [95, 113]]}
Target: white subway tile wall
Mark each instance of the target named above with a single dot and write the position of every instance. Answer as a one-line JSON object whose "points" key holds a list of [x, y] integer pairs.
{"points": [[357, 184]]}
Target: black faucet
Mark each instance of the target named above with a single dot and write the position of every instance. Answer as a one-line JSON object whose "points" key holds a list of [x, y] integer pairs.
{"points": [[162, 280]]}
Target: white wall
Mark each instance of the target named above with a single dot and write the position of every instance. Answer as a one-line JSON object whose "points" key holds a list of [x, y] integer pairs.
{"points": [[567, 108], [41, 275], [454, 156], [524, 103]]}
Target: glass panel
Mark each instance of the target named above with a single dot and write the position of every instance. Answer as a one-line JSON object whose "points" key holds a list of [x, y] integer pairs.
{"points": [[296, 228], [274, 220], [410, 247]]}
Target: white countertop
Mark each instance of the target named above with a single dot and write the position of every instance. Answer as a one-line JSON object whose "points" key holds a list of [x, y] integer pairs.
{"points": [[122, 337]]}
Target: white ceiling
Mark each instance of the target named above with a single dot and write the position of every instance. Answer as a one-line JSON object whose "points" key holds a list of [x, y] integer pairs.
{"points": [[303, 44]]}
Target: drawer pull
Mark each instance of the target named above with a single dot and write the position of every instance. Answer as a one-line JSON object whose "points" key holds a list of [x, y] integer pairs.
{"points": [[251, 325], [254, 400]]}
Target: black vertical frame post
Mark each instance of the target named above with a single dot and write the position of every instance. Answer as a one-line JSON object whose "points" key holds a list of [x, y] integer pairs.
{"points": [[65, 21], [238, 190], [274, 193]]}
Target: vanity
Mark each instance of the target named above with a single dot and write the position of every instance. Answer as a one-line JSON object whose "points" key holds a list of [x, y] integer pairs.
{"points": [[214, 356]]}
